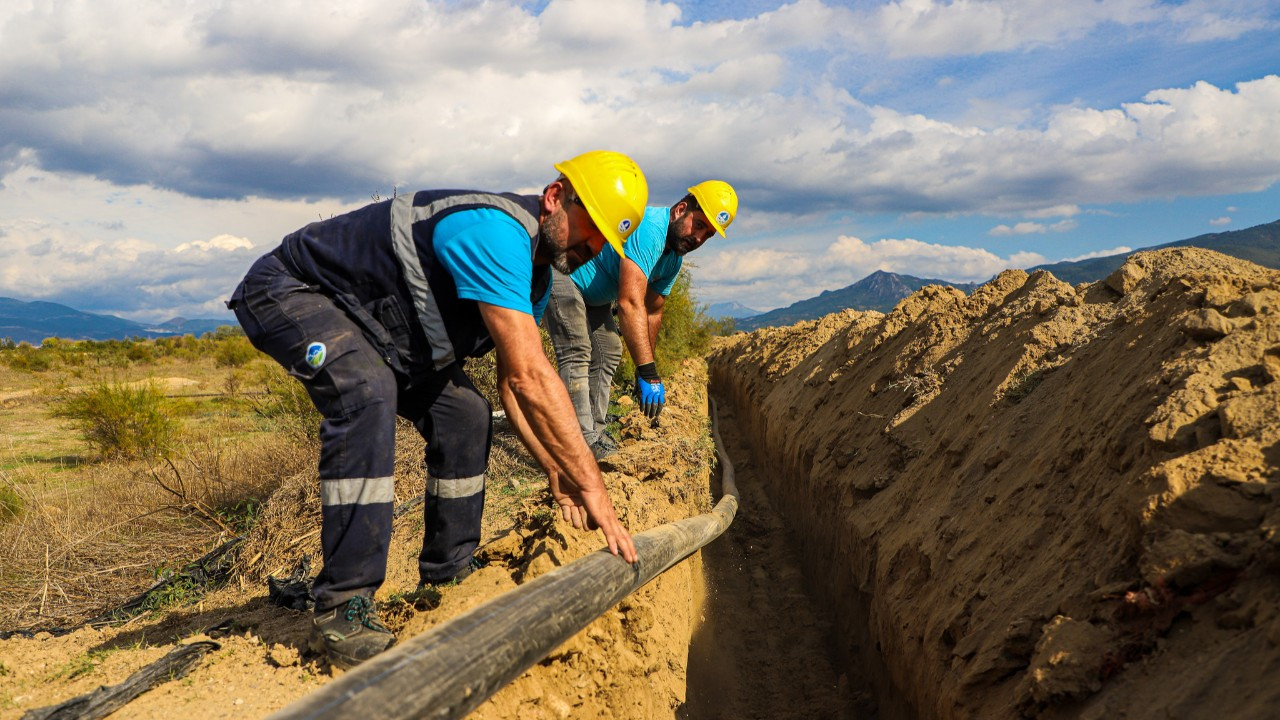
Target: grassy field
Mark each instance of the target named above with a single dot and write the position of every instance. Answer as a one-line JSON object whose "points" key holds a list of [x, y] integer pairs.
{"points": [[90, 516]]}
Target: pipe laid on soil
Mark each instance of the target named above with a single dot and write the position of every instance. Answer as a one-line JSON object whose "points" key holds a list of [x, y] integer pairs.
{"points": [[449, 670]]}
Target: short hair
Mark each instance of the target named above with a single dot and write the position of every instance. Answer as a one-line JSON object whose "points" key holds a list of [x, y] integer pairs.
{"points": [[691, 203]]}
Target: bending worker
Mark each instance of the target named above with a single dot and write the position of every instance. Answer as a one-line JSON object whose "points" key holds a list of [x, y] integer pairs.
{"points": [[580, 319], [375, 311]]}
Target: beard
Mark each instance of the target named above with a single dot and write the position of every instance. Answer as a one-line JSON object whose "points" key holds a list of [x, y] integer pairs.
{"points": [[680, 244], [564, 259]]}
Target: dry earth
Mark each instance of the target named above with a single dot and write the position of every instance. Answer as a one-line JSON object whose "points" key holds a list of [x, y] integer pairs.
{"points": [[1038, 500], [629, 663]]}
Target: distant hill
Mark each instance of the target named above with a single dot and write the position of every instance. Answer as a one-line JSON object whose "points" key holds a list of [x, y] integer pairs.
{"points": [[730, 309], [878, 291], [1259, 244], [34, 321], [882, 290]]}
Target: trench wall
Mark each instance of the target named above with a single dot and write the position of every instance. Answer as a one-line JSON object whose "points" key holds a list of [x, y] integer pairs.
{"points": [[1037, 500]]}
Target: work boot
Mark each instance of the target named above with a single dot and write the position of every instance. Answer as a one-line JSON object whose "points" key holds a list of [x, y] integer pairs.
{"points": [[603, 447], [350, 633]]}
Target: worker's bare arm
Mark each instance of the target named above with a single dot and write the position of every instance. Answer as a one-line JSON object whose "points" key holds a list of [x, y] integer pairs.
{"points": [[539, 409], [632, 288], [653, 302]]}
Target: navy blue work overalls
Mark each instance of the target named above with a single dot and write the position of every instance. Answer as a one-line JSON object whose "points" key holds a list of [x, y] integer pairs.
{"points": [[358, 309]]}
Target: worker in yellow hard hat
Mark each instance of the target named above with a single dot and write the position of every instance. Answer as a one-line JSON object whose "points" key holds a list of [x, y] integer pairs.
{"points": [[376, 310], [580, 319]]}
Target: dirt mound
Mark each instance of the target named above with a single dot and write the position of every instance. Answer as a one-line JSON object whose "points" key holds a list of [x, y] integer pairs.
{"points": [[1038, 499], [629, 663]]}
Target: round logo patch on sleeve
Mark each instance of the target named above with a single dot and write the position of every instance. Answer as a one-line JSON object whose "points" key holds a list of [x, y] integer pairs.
{"points": [[315, 354]]}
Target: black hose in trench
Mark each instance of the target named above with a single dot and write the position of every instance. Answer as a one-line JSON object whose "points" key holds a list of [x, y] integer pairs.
{"points": [[449, 670]]}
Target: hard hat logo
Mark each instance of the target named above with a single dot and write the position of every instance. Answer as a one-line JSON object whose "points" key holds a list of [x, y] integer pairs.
{"points": [[315, 354], [624, 226], [722, 217]]}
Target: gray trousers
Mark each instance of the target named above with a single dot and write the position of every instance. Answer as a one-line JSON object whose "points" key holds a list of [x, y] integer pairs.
{"points": [[588, 350]]}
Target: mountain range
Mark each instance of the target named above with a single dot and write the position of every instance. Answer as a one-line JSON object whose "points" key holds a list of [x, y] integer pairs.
{"points": [[878, 291], [883, 290], [1259, 244], [730, 309], [34, 321]]}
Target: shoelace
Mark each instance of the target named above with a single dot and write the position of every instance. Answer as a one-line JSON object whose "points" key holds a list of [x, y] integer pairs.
{"points": [[361, 607]]}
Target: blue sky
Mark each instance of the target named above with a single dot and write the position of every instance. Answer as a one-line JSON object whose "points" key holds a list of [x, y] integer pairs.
{"points": [[150, 151]]}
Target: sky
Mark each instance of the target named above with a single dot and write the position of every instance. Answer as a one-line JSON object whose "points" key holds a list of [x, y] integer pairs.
{"points": [[149, 152]]}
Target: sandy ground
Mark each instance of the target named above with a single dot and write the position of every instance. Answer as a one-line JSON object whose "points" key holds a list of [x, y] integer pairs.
{"points": [[632, 662], [1038, 500]]}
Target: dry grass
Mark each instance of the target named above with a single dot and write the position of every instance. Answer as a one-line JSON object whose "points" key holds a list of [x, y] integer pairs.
{"points": [[76, 549], [80, 534]]}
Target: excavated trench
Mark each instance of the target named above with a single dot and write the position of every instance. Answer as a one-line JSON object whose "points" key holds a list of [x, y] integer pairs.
{"points": [[1035, 500], [761, 647]]}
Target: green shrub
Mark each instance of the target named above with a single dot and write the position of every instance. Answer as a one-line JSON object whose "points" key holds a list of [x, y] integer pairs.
{"points": [[26, 357], [140, 352], [119, 420], [235, 351]]}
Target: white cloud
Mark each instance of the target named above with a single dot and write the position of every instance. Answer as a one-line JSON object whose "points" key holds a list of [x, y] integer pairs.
{"points": [[1054, 211], [283, 100], [1207, 20], [938, 27], [914, 257], [1224, 220], [124, 276], [773, 278], [933, 28], [1029, 228], [219, 243], [744, 266], [147, 254], [113, 135], [1022, 228]]}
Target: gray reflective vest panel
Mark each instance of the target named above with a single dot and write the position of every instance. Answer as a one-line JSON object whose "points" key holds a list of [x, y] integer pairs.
{"points": [[404, 215]]}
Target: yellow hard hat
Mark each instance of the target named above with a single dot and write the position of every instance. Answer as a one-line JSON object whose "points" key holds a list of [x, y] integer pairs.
{"points": [[612, 189], [718, 202]]}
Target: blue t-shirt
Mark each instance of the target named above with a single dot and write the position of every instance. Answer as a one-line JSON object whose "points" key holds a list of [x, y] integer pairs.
{"points": [[489, 255], [597, 280]]}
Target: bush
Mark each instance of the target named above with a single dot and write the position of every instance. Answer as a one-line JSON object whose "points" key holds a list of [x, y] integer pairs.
{"points": [[26, 357], [234, 351], [140, 352], [122, 421]]}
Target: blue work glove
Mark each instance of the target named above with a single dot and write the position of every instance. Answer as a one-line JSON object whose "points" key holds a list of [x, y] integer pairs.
{"points": [[650, 391]]}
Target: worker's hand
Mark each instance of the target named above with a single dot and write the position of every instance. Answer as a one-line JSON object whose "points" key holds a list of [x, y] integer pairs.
{"points": [[650, 392], [590, 508]]}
